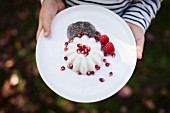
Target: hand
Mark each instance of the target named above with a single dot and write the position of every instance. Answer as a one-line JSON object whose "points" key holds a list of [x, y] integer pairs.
{"points": [[139, 38], [48, 11]]}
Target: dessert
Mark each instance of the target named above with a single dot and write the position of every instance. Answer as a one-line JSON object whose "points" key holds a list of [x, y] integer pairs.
{"points": [[84, 55], [86, 49]]}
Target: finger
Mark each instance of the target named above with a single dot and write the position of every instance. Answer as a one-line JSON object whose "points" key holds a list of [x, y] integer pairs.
{"points": [[39, 29], [140, 46], [139, 38], [46, 23]]}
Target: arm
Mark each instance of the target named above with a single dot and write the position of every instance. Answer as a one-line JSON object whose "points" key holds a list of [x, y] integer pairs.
{"points": [[48, 11], [138, 16]]}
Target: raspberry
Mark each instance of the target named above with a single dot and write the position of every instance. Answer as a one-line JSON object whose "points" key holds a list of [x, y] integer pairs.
{"points": [[109, 48], [104, 39]]}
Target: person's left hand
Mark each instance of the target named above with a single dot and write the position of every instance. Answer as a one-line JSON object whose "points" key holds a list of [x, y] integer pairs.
{"points": [[139, 38]]}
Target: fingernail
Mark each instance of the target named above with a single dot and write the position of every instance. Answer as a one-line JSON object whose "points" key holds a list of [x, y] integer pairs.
{"points": [[45, 34]]}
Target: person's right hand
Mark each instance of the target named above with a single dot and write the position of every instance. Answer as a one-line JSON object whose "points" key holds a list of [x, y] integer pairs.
{"points": [[48, 10]]}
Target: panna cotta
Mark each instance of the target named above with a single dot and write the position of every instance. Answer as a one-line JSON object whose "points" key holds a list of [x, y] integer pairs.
{"points": [[83, 55]]}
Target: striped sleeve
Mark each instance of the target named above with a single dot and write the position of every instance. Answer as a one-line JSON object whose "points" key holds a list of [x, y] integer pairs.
{"points": [[141, 12]]}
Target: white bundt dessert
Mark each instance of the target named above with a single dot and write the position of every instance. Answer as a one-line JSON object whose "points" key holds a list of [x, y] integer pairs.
{"points": [[84, 55]]}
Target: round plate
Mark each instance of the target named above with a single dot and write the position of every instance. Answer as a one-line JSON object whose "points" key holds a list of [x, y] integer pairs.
{"points": [[82, 88]]}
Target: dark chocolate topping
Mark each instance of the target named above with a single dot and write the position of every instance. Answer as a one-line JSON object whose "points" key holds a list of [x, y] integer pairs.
{"points": [[77, 28]]}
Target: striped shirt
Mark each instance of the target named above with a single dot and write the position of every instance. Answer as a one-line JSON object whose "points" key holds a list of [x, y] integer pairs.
{"points": [[138, 12]]}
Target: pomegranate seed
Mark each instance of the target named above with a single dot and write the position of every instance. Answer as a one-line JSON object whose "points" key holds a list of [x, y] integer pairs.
{"points": [[86, 54], [105, 54], [107, 64], [85, 50], [78, 51], [104, 60], [84, 46], [70, 41], [97, 67], [97, 33], [82, 52], [113, 55], [79, 73], [84, 33], [111, 73], [79, 45], [88, 73], [62, 68], [97, 39], [79, 35], [65, 58], [70, 66], [66, 44], [88, 48], [101, 79], [102, 46], [65, 49], [92, 72]]}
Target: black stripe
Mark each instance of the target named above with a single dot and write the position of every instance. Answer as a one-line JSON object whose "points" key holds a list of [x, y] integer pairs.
{"points": [[104, 4], [68, 5], [136, 12], [135, 21], [137, 17], [113, 9], [133, 5], [151, 7], [154, 1], [122, 7], [141, 2]]}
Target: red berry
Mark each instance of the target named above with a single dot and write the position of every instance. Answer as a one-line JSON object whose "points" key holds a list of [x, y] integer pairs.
{"points": [[82, 52], [65, 58], [84, 33], [85, 46], [104, 60], [86, 54], [97, 39], [109, 48], [70, 66], [92, 72], [88, 73], [79, 45], [105, 54], [113, 55], [62, 68], [111, 73], [107, 64], [88, 48], [78, 51], [102, 46], [66, 44], [70, 41], [79, 35], [104, 39], [101, 79], [65, 49], [79, 73], [97, 33], [97, 67]]}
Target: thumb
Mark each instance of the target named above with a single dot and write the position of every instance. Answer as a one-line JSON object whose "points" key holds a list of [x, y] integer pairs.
{"points": [[140, 46], [47, 26]]}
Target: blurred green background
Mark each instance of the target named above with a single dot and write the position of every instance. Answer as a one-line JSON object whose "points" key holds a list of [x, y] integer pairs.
{"points": [[23, 91]]}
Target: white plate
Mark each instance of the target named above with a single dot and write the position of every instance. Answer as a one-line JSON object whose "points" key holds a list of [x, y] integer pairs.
{"points": [[86, 89]]}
